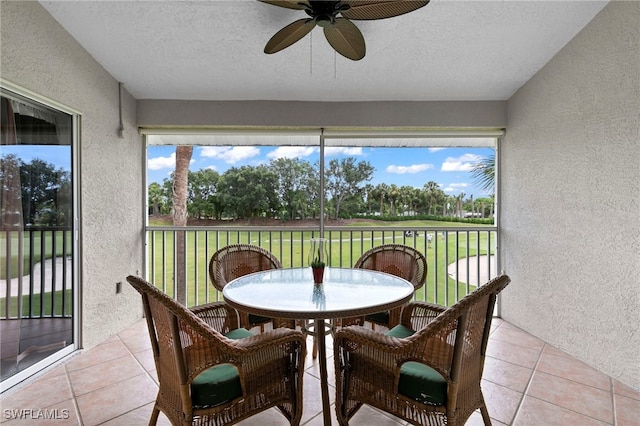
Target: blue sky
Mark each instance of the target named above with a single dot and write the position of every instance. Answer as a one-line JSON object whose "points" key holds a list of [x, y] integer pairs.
{"points": [[449, 167], [58, 155]]}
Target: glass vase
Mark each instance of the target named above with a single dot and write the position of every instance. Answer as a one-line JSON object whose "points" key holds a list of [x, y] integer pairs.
{"points": [[318, 257]]}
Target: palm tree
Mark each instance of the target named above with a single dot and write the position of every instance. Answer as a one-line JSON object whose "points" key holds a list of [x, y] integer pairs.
{"points": [[459, 199], [393, 194], [484, 173], [180, 184], [180, 187], [380, 192], [432, 189]]}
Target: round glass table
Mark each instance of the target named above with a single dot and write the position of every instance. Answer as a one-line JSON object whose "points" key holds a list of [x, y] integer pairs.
{"points": [[292, 294]]}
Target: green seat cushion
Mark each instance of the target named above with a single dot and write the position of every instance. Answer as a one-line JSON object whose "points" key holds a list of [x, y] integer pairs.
{"points": [[216, 385], [238, 333], [400, 331], [378, 317], [418, 381], [220, 383], [422, 383]]}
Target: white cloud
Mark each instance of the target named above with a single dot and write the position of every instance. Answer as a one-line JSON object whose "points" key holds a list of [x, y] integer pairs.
{"points": [[464, 163], [414, 168], [456, 187], [230, 154], [162, 162], [291, 152], [342, 150]]}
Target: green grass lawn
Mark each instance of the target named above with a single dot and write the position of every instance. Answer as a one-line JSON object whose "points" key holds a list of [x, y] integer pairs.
{"points": [[49, 307], [42, 243], [291, 248]]}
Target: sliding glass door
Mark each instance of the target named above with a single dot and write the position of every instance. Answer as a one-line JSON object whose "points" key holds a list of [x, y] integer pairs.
{"points": [[37, 244]]}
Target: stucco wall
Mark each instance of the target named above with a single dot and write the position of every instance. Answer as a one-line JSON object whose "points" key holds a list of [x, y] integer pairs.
{"points": [[571, 197], [38, 55], [460, 114]]}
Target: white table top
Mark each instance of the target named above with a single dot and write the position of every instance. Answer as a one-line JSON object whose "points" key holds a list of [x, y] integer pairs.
{"points": [[291, 293]]}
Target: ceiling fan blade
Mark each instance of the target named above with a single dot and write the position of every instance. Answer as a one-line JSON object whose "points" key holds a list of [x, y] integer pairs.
{"points": [[370, 9], [288, 4], [289, 35], [346, 39]]}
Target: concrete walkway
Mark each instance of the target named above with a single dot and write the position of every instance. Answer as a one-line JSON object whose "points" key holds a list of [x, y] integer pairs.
{"points": [[477, 266], [37, 275]]}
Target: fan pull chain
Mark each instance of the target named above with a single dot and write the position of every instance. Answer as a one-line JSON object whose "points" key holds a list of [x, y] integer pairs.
{"points": [[335, 61]]}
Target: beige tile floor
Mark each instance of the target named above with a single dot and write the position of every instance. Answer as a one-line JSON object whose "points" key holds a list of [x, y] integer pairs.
{"points": [[526, 382]]}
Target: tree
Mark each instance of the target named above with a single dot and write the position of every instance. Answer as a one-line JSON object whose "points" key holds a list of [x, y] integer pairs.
{"points": [[294, 187], [484, 173], [459, 200], [35, 192], [10, 193], [345, 178], [249, 191], [180, 185], [393, 195], [380, 192], [202, 194], [410, 197], [157, 199], [486, 206], [368, 189], [434, 193]]}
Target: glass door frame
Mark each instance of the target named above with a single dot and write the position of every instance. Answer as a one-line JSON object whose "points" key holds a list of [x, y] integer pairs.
{"points": [[76, 271]]}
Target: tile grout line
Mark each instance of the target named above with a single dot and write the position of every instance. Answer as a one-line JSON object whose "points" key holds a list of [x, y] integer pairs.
{"points": [[491, 332], [527, 387], [138, 361], [145, 372], [562, 378], [129, 353], [73, 394]]}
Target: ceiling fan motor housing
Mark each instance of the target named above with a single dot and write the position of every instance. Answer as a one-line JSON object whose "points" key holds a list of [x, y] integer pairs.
{"points": [[341, 33]]}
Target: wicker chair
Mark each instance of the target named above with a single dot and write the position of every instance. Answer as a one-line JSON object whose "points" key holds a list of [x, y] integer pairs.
{"points": [[400, 260], [237, 260], [426, 370], [212, 372]]}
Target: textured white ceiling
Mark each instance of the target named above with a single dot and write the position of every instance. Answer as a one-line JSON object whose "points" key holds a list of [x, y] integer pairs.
{"points": [[213, 50]]}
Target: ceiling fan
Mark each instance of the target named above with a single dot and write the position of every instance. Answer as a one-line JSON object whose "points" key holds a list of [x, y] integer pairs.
{"points": [[341, 33]]}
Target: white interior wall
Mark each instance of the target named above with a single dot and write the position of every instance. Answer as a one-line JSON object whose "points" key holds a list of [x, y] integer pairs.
{"points": [[40, 56], [571, 197]]}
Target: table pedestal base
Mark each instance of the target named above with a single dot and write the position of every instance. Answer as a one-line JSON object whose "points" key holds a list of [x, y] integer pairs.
{"points": [[324, 381]]}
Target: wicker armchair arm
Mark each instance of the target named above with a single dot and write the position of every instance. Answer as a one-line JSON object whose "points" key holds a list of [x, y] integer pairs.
{"points": [[361, 336], [417, 315], [267, 356], [218, 315], [380, 357], [275, 337], [374, 357]]}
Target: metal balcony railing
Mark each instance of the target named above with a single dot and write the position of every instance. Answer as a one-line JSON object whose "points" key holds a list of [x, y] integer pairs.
{"points": [[459, 257], [36, 272]]}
